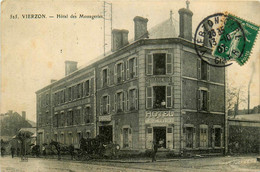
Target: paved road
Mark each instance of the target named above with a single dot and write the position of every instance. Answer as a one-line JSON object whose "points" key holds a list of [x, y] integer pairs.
{"points": [[248, 164]]}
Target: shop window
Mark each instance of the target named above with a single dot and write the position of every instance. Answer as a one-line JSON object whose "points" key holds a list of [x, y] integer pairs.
{"points": [[87, 115], [119, 101], [132, 68], [203, 136], [56, 137], [87, 88], [203, 100], [159, 64], [132, 100], [217, 134], [159, 97], [119, 72], [105, 105]]}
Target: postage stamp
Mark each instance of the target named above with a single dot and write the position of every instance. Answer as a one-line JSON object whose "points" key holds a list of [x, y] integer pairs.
{"points": [[237, 39]]}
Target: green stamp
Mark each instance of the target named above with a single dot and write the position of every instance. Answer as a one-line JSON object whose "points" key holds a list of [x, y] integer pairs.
{"points": [[237, 39]]}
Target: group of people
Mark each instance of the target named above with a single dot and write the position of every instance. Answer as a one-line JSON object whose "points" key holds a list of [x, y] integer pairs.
{"points": [[12, 150]]}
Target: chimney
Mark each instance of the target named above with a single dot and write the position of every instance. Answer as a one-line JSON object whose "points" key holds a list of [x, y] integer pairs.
{"points": [[70, 66], [53, 80], [124, 37], [140, 27], [119, 39], [24, 115], [186, 22], [10, 112]]}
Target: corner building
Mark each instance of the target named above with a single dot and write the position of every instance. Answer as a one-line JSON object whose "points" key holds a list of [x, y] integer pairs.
{"points": [[155, 88]]}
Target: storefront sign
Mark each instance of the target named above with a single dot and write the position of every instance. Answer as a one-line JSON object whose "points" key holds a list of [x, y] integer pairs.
{"points": [[159, 117], [159, 79], [105, 118]]}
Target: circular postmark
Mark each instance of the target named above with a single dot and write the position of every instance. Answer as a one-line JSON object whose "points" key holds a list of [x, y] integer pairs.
{"points": [[221, 34]]}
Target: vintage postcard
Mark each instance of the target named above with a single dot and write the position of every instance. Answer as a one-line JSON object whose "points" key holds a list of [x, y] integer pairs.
{"points": [[128, 85]]}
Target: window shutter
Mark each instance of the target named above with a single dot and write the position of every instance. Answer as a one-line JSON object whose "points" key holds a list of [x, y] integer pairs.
{"points": [[130, 137], [108, 104], [168, 63], [108, 76], [213, 137], [221, 137], [127, 100], [149, 64], [208, 100], [115, 102], [199, 68], [136, 99], [101, 106], [136, 66], [198, 99], [122, 71], [127, 69], [149, 98], [194, 137], [208, 72], [101, 78], [123, 100], [168, 96], [115, 74]]}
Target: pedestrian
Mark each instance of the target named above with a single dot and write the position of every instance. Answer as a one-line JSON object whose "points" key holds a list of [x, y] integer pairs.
{"points": [[2, 151], [71, 150], [43, 150], [12, 151], [18, 152], [155, 148]]}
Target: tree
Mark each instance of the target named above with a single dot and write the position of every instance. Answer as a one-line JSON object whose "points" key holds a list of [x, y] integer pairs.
{"points": [[235, 97]]}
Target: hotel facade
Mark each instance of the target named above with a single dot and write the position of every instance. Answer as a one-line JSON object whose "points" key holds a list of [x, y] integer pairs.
{"points": [[155, 88]]}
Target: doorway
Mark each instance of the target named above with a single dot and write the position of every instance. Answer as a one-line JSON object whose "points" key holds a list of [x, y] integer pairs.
{"points": [[159, 136], [107, 131]]}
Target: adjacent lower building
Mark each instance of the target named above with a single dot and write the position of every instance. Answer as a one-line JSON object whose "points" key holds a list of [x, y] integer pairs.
{"points": [[153, 89]]}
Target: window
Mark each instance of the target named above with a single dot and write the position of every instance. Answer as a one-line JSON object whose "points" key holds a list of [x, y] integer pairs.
{"points": [[119, 72], [47, 99], [87, 88], [203, 101], [105, 77], [159, 97], [70, 118], [105, 105], [77, 117], [87, 115], [47, 118], [69, 94], [190, 131], [87, 135], [132, 68], [217, 136], [159, 64], [132, 100], [78, 91], [61, 119], [203, 136], [119, 101], [62, 138], [203, 69], [55, 120]]}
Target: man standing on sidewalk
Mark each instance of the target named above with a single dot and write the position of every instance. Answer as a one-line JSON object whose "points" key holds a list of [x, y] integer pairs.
{"points": [[12, 151], [155, 148]]}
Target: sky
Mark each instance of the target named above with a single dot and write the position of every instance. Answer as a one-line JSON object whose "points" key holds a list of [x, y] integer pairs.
{"points": [[33, 51]]}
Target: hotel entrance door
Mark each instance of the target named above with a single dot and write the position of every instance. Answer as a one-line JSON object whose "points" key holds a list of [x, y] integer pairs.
{"points": [[107, 131], [159, 135]]}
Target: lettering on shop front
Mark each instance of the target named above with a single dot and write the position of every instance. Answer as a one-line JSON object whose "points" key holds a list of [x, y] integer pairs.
{"points": [[72, 104], [159, 117], [159, 79]]}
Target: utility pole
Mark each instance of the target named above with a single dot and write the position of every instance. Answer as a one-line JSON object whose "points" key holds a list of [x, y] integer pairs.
{"points": [[107, 16]]}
